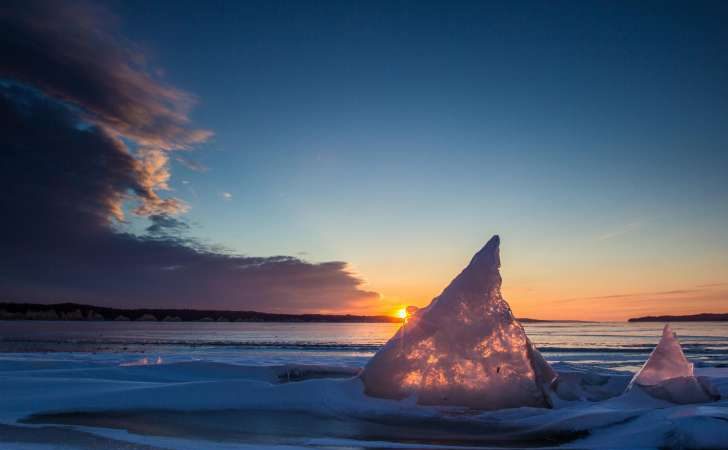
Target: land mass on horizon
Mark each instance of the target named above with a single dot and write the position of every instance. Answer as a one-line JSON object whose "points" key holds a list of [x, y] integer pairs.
{"points": [[78, 311], [702, 317]]}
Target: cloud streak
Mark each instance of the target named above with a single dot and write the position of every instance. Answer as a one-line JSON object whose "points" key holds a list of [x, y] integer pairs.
{"points": [[625, 229], [192, 165], [691, 300], [87, 135]]}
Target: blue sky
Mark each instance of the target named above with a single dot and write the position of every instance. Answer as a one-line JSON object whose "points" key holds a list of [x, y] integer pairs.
{"points": [[399, 136], [402, 134]]}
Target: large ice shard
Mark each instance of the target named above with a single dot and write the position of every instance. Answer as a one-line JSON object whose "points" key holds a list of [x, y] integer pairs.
{"points": [[668, 374], [465, 348]]}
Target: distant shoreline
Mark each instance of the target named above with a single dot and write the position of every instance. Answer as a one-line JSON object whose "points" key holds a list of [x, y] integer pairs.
{"points": [[81, 312], [703, 317]]}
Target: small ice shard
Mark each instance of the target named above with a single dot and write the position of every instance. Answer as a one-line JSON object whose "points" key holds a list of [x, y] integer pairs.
{"points": [[464, 349], [668, 374], [666, 361]]}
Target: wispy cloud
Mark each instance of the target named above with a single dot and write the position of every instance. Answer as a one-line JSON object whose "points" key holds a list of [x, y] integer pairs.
{"points": [[637, 294], [625, 229], [619, 306], [192, 165], [226, 195], [711, 285]]}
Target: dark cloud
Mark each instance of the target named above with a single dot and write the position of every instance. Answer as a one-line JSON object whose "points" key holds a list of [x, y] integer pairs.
{"points": [[165, 225], [85, 138], [71, 51]]}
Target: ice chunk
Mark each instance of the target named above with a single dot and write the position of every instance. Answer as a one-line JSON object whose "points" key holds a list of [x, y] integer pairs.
{"points": [[668, 374], [464, 349], [666, 361]]}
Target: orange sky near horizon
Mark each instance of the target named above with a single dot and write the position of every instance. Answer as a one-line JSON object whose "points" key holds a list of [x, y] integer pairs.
{"points": [[528, 303], [577, 285]]}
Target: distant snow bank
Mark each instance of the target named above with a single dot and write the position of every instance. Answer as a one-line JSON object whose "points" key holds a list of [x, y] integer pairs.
{"points": [[589, 411]]}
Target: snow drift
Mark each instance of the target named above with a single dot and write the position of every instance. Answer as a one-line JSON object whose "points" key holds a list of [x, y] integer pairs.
{"points": [[464, 349], [668, 374], [199, 404]]}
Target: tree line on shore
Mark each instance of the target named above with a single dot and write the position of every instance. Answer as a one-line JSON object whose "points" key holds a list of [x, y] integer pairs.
{"points": [[76, 311]]}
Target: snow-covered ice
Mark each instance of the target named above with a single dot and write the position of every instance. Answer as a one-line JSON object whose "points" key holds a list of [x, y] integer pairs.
{"points": [[464, 349], [202, 405]]}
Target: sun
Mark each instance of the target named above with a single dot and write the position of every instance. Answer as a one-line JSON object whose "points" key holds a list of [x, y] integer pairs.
{"points": [[401, 313]]}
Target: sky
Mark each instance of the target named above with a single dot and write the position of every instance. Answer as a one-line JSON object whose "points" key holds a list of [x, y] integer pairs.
{"points": [[352, 156]]}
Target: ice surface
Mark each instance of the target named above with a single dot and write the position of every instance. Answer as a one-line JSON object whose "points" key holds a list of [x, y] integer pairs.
{"points": [[464, 349], [668, 374], [206, 405], [203, 401]]}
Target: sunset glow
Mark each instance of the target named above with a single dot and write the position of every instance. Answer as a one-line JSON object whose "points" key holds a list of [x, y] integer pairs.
{"points": [[344, 188], [339, 223]]}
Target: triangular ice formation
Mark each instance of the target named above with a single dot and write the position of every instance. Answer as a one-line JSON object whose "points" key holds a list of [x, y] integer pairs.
{"points": [[464, 349], [666, 361], [668, 374]]}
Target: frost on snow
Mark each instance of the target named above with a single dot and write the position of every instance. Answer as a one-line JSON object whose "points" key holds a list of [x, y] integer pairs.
{"points": [[464, 349], [668, 374]]}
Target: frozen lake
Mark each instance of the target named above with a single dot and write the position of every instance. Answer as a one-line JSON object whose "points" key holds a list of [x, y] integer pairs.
{"points": [[623, 346], [146, 386]]}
